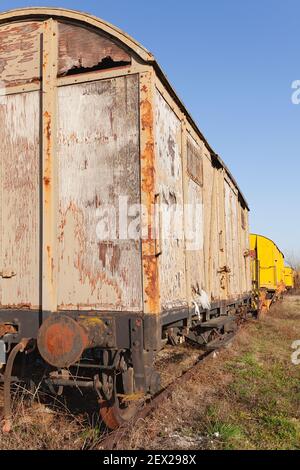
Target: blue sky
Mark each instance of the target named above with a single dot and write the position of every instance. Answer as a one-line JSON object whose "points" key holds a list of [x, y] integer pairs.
{"points": [[233, 64]]}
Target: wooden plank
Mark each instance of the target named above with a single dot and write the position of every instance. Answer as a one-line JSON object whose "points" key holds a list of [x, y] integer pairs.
{"points": [[101, 74], [170, 189], [222, 276], [149, 220], [232, 239], [13, 90], [81, 48], [49, 166], [98, 153], [211, 241], [228, 244], [20, 53], [19, 153], [194, 224]]}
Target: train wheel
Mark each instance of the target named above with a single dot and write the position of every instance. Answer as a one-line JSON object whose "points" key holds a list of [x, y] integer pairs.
{"points": [[121, 404], [115, 412]]}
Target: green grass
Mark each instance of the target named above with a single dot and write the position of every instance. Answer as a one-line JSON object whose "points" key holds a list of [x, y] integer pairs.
{"points": [[260, 406], [230, 435]]}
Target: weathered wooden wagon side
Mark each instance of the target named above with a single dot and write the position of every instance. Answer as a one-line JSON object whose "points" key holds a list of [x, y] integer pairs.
{"points": [[213, 259], [121, 229]]}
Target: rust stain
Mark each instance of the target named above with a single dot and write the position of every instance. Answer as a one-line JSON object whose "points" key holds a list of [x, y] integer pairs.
{"points": [[20, 55], [80, 260], [151, 289], [111, 252], [61, 341], [20, 306], [102, 253], [47, 172], [148, 189], [47, 186], [6, 329]]}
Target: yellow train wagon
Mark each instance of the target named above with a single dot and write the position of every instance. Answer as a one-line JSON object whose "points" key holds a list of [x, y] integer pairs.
{"points": [[268, 270], [289, 277]]}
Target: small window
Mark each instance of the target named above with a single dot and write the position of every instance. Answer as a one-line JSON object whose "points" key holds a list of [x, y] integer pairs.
{"points": [[194, 163]]}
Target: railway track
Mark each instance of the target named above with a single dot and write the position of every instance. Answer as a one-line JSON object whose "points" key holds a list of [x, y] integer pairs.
{"points": [[114, 437]]}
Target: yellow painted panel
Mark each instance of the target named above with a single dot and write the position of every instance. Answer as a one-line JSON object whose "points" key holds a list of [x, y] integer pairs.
{"points": [[269, 260], [288, 277]]}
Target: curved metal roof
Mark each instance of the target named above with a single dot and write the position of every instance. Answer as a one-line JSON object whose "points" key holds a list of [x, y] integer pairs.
{"points": [[113, 31], [269, 239]]}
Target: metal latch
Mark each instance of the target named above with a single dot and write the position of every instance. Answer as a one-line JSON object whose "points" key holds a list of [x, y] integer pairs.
{"points": [[7, 273]]}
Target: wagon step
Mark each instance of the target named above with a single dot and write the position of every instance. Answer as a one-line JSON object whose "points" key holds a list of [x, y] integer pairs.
{"points": [[218, 321]]}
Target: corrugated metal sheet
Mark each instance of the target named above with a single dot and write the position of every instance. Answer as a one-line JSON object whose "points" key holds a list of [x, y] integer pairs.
{"points": [[98, 152]]}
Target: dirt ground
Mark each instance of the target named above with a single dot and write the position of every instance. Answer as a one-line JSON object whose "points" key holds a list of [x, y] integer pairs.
{"points": [[246, 397]]}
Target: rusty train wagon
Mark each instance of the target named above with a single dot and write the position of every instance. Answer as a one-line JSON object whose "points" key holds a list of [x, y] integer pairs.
{"points": [[96, 152]]}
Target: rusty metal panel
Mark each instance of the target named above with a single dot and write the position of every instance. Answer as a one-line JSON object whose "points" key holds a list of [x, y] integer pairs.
{"points": [[19, 152], [20, 53], [84, 49], [170, 191], [98, 153]]}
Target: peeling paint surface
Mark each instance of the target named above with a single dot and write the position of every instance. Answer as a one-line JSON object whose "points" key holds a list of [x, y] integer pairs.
{"points": [[80, 48], [20, 53], [195, 255], [232, 239], [170, 190], [19, 152], [98, 152], [115, 137]]}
